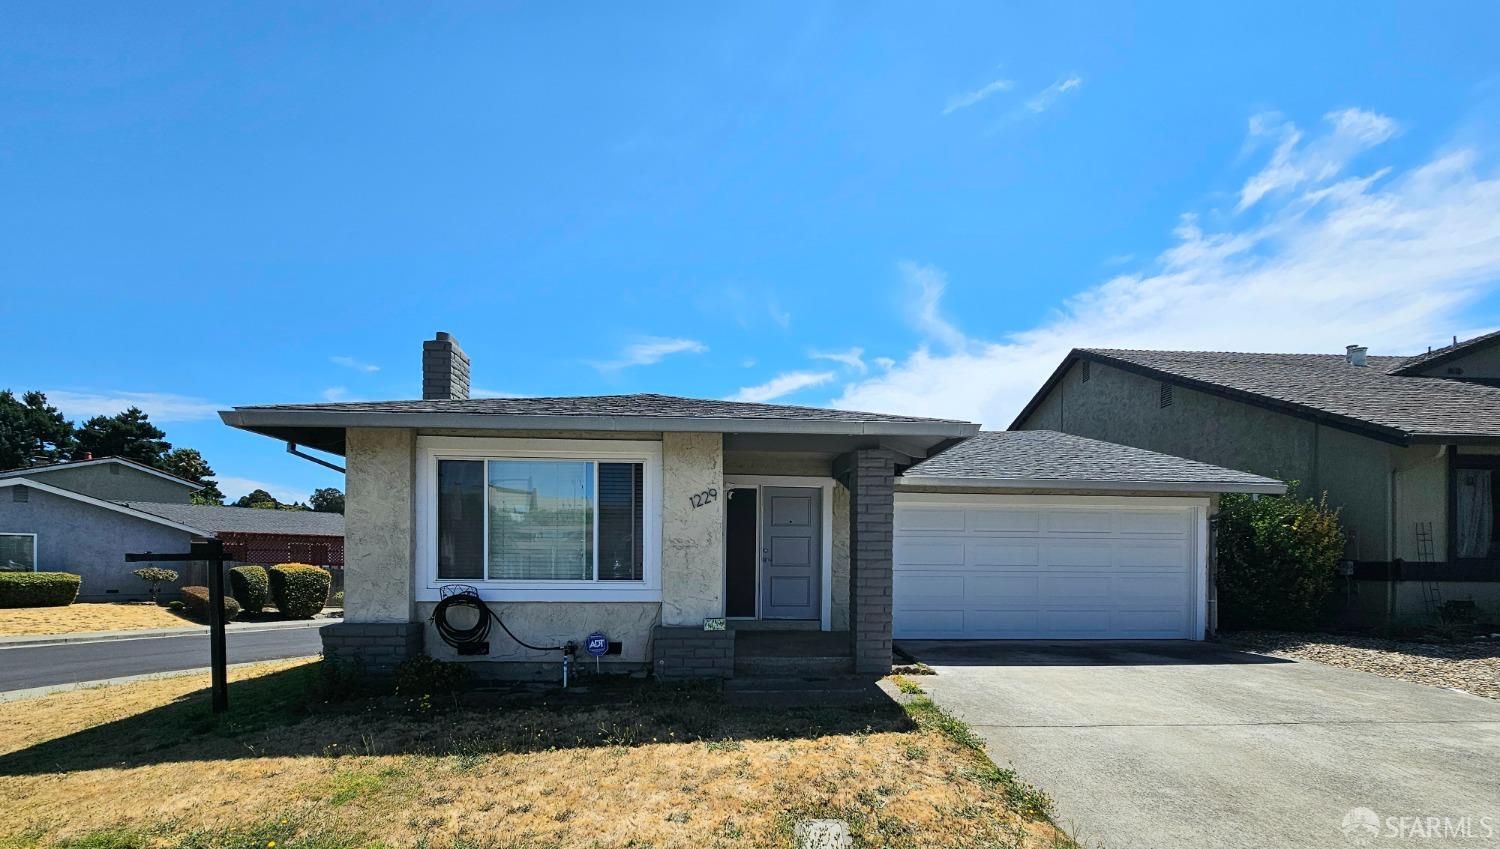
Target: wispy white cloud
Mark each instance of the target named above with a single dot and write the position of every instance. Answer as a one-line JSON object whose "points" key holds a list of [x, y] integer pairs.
{"points": [[967, 99], [885, 363], [1391, 259], [1295, 163], [782, 318], [782, 385], [650, 350], [1043, 100], [929, 283], [336, 393], [161, 406], [853, 358], [234, 487], [357, 365]]}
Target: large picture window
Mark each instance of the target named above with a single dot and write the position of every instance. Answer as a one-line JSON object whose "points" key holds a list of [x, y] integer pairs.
{"points": [[540, 520], [1477, 522], [17, 552]]}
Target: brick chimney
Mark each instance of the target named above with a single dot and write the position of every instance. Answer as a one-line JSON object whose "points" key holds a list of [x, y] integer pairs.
{"points": [[445, 370]]}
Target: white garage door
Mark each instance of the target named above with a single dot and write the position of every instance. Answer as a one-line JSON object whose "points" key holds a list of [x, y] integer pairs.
{"points": [[1023, 567]]}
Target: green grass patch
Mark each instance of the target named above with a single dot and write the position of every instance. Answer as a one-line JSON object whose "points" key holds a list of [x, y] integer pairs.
{"points": [[907, 686], [1025, 799]]}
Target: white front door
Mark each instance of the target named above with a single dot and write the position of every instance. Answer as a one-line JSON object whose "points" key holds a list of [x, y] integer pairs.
{"points": [[1048, 567]]}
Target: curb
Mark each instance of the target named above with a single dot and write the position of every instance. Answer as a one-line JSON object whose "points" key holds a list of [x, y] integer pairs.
{"points": [[154, 633], [52, 689]]}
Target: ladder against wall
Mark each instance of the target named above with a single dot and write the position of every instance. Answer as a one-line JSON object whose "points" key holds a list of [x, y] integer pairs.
{"points": [[1432, 591]]}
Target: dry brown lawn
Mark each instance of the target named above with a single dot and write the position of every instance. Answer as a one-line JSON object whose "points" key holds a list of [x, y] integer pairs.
{"points": [[87, 616], [627, 764]]}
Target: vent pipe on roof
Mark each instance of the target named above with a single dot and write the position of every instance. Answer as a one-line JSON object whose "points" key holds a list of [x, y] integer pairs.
{"points": [[445, 370], [1354, 355]]}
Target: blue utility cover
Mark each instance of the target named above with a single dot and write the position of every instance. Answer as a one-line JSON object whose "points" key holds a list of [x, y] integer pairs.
{"points": [[597, 644]]}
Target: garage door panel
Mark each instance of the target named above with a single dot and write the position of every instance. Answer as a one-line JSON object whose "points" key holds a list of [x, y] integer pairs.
{"points": [[1170, 555], [1004, 521], [919, 553], [1079, 521], [973, 571], [1002, 590], [1177, 522], [930, 519], [1099, 553], [989, 552]]}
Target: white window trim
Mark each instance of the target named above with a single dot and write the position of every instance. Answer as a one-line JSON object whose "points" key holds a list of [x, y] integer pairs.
{"points": [[36, 554], [755, 482], [430, 449]]}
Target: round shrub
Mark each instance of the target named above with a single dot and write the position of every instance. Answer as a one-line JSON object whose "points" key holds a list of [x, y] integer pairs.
{"points": [[251, 587], [38, 589], [1278, 559], [196, 600], [155, 576], [298, 590]]}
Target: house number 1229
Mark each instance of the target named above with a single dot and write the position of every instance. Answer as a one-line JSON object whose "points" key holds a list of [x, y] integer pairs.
{"points": [[707, 496]]}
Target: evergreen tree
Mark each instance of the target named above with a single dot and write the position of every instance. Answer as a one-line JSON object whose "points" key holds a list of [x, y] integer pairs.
{"points": [[129, 434], [32, 432]]}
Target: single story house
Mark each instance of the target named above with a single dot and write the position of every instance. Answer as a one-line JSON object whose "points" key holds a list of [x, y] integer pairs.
{"points": [[1407, 447], [84, 517], [653, 519]]}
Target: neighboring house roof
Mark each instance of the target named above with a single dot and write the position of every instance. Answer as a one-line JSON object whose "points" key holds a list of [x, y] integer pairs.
{"points": [[1373, 399], [302, 422], [1413, 365], [1048, 459], [126, 509], [121, 461], [249, 520]]}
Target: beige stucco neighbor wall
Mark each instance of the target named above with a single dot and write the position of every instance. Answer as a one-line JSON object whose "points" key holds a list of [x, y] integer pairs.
{"points": [[378, 525], [556, 623], [692, 555], [1421, 498], [1480, 364]]}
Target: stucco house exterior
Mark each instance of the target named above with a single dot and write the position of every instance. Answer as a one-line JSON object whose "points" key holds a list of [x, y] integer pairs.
{"points": [[691, 533], [1407, 447], [83, 517]]}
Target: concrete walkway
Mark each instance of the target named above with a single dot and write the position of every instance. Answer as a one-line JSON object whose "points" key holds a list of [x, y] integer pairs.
{"points": [[1170, 745]]}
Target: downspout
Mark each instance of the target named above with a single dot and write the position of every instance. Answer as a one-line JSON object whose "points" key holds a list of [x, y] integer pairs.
{"points": [[1390, 549]]}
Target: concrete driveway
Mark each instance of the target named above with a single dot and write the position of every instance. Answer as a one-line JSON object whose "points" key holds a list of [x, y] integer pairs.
{"points": [[1149, 745]]}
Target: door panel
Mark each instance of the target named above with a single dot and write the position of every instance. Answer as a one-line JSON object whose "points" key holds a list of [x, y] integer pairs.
{"points": [[791, 552]]}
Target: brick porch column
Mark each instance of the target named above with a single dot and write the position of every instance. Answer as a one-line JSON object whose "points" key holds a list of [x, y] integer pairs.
{"points": [[870, 475]]}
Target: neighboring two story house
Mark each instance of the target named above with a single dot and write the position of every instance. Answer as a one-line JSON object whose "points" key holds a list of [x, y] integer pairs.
{"points": [[1408, 448]]}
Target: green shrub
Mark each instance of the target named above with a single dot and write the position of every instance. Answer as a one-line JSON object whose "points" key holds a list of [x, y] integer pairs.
{"points": [[298, 590], [177, 605], [337, 599], [155, 576], [38, 589], [251, 587], [1278, 558], [195, 599]]}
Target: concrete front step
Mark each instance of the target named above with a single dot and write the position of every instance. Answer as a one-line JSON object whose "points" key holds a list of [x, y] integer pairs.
{"points": [[804, 691], [809, 665]]}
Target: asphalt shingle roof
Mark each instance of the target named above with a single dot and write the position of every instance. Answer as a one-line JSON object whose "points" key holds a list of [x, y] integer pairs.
{"points": [[1372, 395], [250, 520], [646, 405], [1049, 455]]}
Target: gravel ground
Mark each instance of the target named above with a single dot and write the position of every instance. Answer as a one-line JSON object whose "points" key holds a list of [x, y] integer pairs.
{"points": [[1473, 667]]}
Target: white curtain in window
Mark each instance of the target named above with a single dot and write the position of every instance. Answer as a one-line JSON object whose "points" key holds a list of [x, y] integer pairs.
{"points": [[1476, 513]]}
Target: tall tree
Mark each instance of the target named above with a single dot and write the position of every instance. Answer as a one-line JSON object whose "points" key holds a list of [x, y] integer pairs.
{"points": [[188, 463], [32, 431], [262, 500], [327, 500], [129, 434]]}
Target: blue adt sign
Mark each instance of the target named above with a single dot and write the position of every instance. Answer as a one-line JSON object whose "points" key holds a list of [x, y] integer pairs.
{"points": [[597, 644]]}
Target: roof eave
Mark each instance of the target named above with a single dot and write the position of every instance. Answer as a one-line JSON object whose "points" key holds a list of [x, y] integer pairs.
{"points": [[1267, 487], [251, 419]]}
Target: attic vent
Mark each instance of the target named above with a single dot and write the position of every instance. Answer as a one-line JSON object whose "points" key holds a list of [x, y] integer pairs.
{"points": [[1083, 373], [1165, 396], [20, 494]]}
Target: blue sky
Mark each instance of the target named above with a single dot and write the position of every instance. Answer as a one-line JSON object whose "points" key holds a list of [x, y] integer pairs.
{"points": [[900, 207]]}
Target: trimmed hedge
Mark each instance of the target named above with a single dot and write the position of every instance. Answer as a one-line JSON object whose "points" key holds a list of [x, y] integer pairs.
{"points": [[38, 589], [251, 587], [298, 590], [195, 599]]}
